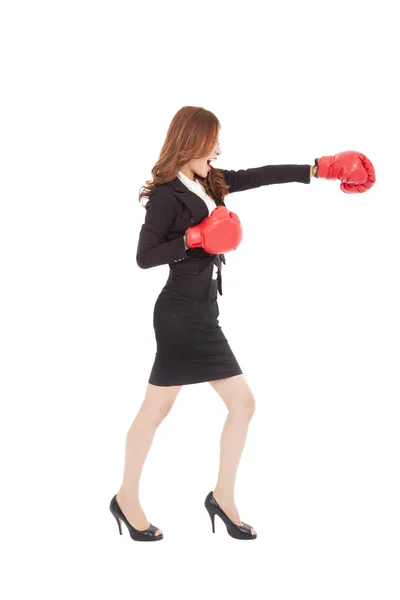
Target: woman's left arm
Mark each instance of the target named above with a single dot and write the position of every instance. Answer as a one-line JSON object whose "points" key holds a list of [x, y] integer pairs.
{"points": [[352, 168], [247, 179]]}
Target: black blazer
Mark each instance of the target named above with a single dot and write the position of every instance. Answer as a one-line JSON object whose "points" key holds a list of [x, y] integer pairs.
{"points": [[172, 208]]}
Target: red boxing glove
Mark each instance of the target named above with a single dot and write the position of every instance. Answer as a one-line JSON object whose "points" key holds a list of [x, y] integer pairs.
{"points": [[354, 169], [220, 232]]}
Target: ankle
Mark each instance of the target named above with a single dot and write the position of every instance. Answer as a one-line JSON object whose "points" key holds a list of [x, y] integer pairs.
{"points": [[224, 495], [128, 494]]}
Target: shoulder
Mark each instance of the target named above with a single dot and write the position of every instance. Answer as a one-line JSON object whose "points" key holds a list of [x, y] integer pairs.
{"points": [[161, 191], [162, 200]]}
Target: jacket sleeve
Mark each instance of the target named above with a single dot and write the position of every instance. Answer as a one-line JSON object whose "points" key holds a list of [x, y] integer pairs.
{"points": [[246, 179], [153, 249]]}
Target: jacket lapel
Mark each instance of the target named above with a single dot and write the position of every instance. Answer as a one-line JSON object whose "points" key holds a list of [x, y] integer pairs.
{"points": [[197, 207], [192, 201]]}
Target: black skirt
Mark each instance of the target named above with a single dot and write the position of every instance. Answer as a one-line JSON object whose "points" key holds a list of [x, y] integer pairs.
{"points": [[191, 347]]}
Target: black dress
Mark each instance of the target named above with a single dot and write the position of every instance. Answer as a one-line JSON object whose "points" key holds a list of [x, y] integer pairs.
{"points": [[191, 346]]}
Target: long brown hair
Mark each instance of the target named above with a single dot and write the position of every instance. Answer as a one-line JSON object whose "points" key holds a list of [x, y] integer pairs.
{"points": [[192, 133]]}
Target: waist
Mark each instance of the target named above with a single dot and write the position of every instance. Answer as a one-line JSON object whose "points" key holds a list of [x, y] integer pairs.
{"points": [[202, 296]]}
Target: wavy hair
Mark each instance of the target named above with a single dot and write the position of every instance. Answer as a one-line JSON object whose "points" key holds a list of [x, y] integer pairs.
{"points": [[192, 133]]}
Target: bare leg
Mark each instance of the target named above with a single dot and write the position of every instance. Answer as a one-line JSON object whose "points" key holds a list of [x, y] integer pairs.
{"points": [[156, 405], [240, 402]]}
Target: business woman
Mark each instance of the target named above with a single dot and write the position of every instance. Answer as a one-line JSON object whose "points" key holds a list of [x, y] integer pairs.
{"points": [[188, 227]]}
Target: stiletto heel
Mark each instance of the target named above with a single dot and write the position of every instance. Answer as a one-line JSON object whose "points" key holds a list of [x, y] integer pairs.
{"points": [[119, 525], [212, 517], [145, 535], [240, 532]]}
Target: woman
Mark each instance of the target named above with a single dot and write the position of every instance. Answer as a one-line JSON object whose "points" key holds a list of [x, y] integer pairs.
{"points": [[183, 228]]}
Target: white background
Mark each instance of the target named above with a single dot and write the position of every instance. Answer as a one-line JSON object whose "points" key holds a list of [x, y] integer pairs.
{"points": [[310, 303]]}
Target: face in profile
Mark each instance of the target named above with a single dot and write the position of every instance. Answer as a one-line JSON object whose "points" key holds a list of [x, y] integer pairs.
{"points": [[201, 166]]}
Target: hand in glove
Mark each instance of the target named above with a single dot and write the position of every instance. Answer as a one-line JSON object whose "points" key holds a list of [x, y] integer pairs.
{"points": [[354, 169], [220, 232]]}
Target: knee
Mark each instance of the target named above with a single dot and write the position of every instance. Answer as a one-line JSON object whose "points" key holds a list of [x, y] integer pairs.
{"points": [[245, 407], [156, 416], [251, 406], [163, 412]]}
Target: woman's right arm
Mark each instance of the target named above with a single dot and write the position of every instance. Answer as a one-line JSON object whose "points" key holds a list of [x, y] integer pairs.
{"points": [[153, 249]]}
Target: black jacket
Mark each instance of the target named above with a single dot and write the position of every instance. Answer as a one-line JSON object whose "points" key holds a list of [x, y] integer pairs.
{"points": [[172, 208]]}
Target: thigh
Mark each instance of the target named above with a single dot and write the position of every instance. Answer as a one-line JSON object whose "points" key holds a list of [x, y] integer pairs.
{"points": [[159, 399], [236, 393]]}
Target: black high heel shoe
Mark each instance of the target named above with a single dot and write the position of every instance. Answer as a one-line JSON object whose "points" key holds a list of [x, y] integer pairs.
{"points": [[144, 535], [240, 532]]}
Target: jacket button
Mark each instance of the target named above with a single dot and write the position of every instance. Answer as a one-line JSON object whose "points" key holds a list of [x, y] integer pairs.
{"points": [[192, 220]]}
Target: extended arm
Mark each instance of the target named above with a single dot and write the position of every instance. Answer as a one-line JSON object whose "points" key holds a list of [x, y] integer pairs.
{"points": [[247, 179]]}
